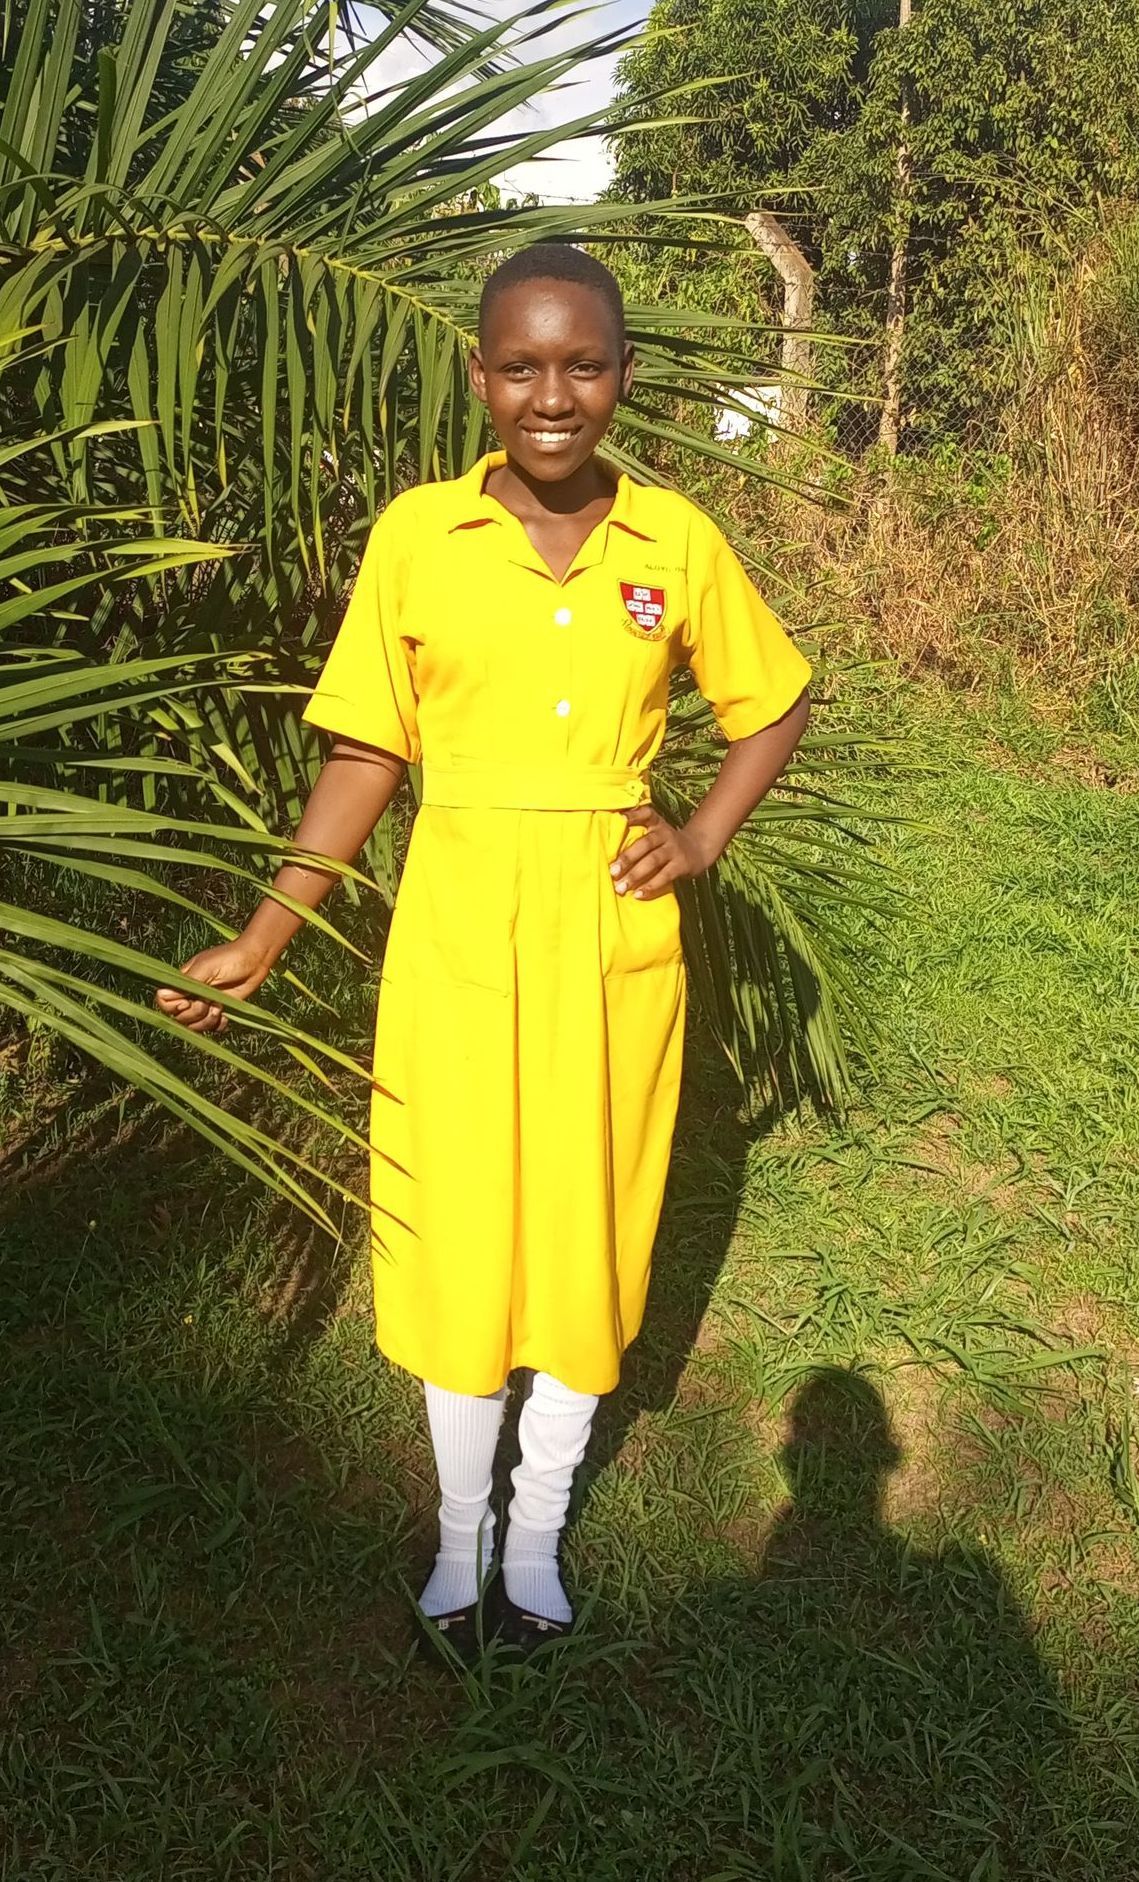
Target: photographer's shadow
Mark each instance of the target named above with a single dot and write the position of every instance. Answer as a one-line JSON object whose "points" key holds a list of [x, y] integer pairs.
{"points": [[900, 1720]]}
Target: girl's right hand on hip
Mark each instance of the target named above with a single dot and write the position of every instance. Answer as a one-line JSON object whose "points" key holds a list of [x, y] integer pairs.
{"points": [[236, 968]]}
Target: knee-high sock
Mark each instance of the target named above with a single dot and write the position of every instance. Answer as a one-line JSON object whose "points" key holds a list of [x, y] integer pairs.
{"points": [[464, 1433], [553, 1430]]}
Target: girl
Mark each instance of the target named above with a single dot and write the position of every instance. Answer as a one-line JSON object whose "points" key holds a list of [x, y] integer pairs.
{"points": [[514, 630]]}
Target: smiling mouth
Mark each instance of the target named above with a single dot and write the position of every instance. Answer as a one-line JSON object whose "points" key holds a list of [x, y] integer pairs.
{"points": [[551, 437]]}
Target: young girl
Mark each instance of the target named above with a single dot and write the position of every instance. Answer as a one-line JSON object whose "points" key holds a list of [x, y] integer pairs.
{"points": [[514, 630]]}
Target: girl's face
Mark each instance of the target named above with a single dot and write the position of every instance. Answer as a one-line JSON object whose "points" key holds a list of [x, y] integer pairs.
{"points": [[550, 367]]}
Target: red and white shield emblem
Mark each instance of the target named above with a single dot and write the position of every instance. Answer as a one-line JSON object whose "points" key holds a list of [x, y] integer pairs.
{"points": [[645, 608]]}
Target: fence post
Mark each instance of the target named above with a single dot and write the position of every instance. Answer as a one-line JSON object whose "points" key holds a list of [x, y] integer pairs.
{"points": [[890, 421], [798, 278]]}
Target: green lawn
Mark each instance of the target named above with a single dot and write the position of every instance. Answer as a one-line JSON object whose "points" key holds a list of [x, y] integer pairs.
{"points": [[859, 1545]]}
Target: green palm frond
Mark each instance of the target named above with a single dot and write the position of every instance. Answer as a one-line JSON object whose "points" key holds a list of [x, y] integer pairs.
{"points": [[280, 243], [767, 932], [46, 692]]}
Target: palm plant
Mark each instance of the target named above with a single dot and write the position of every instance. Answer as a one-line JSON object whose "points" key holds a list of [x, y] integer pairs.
{"points": [[240, 269]]}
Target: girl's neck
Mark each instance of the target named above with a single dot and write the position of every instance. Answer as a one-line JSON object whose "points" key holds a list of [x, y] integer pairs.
{"points": [[533, 497]]}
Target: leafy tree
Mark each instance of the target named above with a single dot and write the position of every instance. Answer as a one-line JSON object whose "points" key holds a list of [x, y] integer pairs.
{"points": [[1019, 116]]}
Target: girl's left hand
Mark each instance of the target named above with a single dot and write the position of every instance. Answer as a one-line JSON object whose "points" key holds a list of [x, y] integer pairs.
{"points": [[650, 866]]}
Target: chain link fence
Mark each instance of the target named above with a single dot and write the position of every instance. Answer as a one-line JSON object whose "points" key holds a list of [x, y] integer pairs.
{"points": [[849, 422]]}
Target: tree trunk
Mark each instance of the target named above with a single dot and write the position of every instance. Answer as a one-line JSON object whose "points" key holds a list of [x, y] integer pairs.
{"points": [[890, 421], [798, 278]]}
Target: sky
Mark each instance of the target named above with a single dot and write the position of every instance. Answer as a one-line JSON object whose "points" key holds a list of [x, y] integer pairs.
{"points": [[578, 170]]}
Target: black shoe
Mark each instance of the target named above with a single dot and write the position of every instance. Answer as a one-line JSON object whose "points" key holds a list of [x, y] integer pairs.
{"points": [[465, 1633], [526, 1632]]}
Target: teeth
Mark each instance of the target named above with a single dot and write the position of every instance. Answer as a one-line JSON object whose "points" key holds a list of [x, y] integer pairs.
{"points": [[551, 437]]}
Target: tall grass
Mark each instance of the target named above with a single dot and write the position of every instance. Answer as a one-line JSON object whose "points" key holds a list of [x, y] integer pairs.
{"points": [[1011, 557]]}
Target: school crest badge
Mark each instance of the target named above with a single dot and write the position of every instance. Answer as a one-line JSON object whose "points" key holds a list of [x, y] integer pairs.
{"points": [[645, 608]]}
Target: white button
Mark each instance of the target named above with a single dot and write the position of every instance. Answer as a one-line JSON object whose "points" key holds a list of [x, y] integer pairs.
{"points": [[562, 708], [563, 617]]}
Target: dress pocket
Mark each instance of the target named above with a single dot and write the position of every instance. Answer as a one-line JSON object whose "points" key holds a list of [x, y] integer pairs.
{"points": [[639, 936], [456, 900]]}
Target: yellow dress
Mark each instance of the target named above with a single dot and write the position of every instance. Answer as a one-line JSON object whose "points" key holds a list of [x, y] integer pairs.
{"points": [[531, 1020]]}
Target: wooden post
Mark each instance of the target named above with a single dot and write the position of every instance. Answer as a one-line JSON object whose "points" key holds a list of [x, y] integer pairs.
{"points": [[890, 421], [798, 278]]}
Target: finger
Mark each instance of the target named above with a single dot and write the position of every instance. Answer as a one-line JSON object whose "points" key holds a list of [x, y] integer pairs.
{"points": [[660, 861], [195, 1011], [646, 845], [621, 865], [655, 887], [648, 859], [644, 813], [210, 1022], [170, 1001]]}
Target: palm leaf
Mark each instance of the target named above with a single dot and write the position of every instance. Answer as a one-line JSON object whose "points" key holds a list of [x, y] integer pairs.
{"points": [[767, 931]]}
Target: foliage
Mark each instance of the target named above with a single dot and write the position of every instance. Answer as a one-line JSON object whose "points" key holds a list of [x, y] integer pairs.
{"points": [[1019, 117], [59, 714], [1013, 560], [1110, 276], [774, 988]]}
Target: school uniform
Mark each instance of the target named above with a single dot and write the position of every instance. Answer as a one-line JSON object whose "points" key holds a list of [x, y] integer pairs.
{"points": [[531, 1019]]}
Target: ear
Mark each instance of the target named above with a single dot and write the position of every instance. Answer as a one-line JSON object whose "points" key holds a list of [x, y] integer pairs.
{"points": [[476, 372], [628, 366]]}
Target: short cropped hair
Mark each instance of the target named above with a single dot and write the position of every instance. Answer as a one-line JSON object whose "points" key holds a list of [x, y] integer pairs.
{"points": [[554, 261]]}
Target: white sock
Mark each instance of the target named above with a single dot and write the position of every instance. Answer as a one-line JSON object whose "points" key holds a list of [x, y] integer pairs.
{"points": [[554, 1431], [464, 1433]]}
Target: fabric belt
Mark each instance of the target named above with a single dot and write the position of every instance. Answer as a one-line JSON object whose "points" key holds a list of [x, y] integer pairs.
{"points": [[475, 786]]}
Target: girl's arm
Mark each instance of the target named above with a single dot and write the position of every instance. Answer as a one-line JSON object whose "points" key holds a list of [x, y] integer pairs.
{"points": [[749, 768], [348, 799]]}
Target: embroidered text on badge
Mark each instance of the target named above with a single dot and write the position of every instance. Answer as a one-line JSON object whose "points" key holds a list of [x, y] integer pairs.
{"points": [[645, 607]]}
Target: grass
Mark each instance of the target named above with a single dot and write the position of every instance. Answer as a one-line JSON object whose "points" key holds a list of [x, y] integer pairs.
{"points": [[859, 1544]]}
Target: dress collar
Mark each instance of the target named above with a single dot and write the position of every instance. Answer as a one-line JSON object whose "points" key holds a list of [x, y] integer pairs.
{"points": [[473, 506]]}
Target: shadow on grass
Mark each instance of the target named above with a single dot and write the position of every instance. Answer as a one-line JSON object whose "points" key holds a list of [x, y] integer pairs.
{"points": [[885, 1706]]}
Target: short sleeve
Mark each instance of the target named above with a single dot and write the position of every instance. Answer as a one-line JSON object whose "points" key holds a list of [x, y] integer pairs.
{"points": [[746, 666], [366, 690]]}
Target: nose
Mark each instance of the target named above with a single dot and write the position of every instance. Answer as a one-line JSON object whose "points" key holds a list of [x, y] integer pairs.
{"points": [[553, 395]]}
